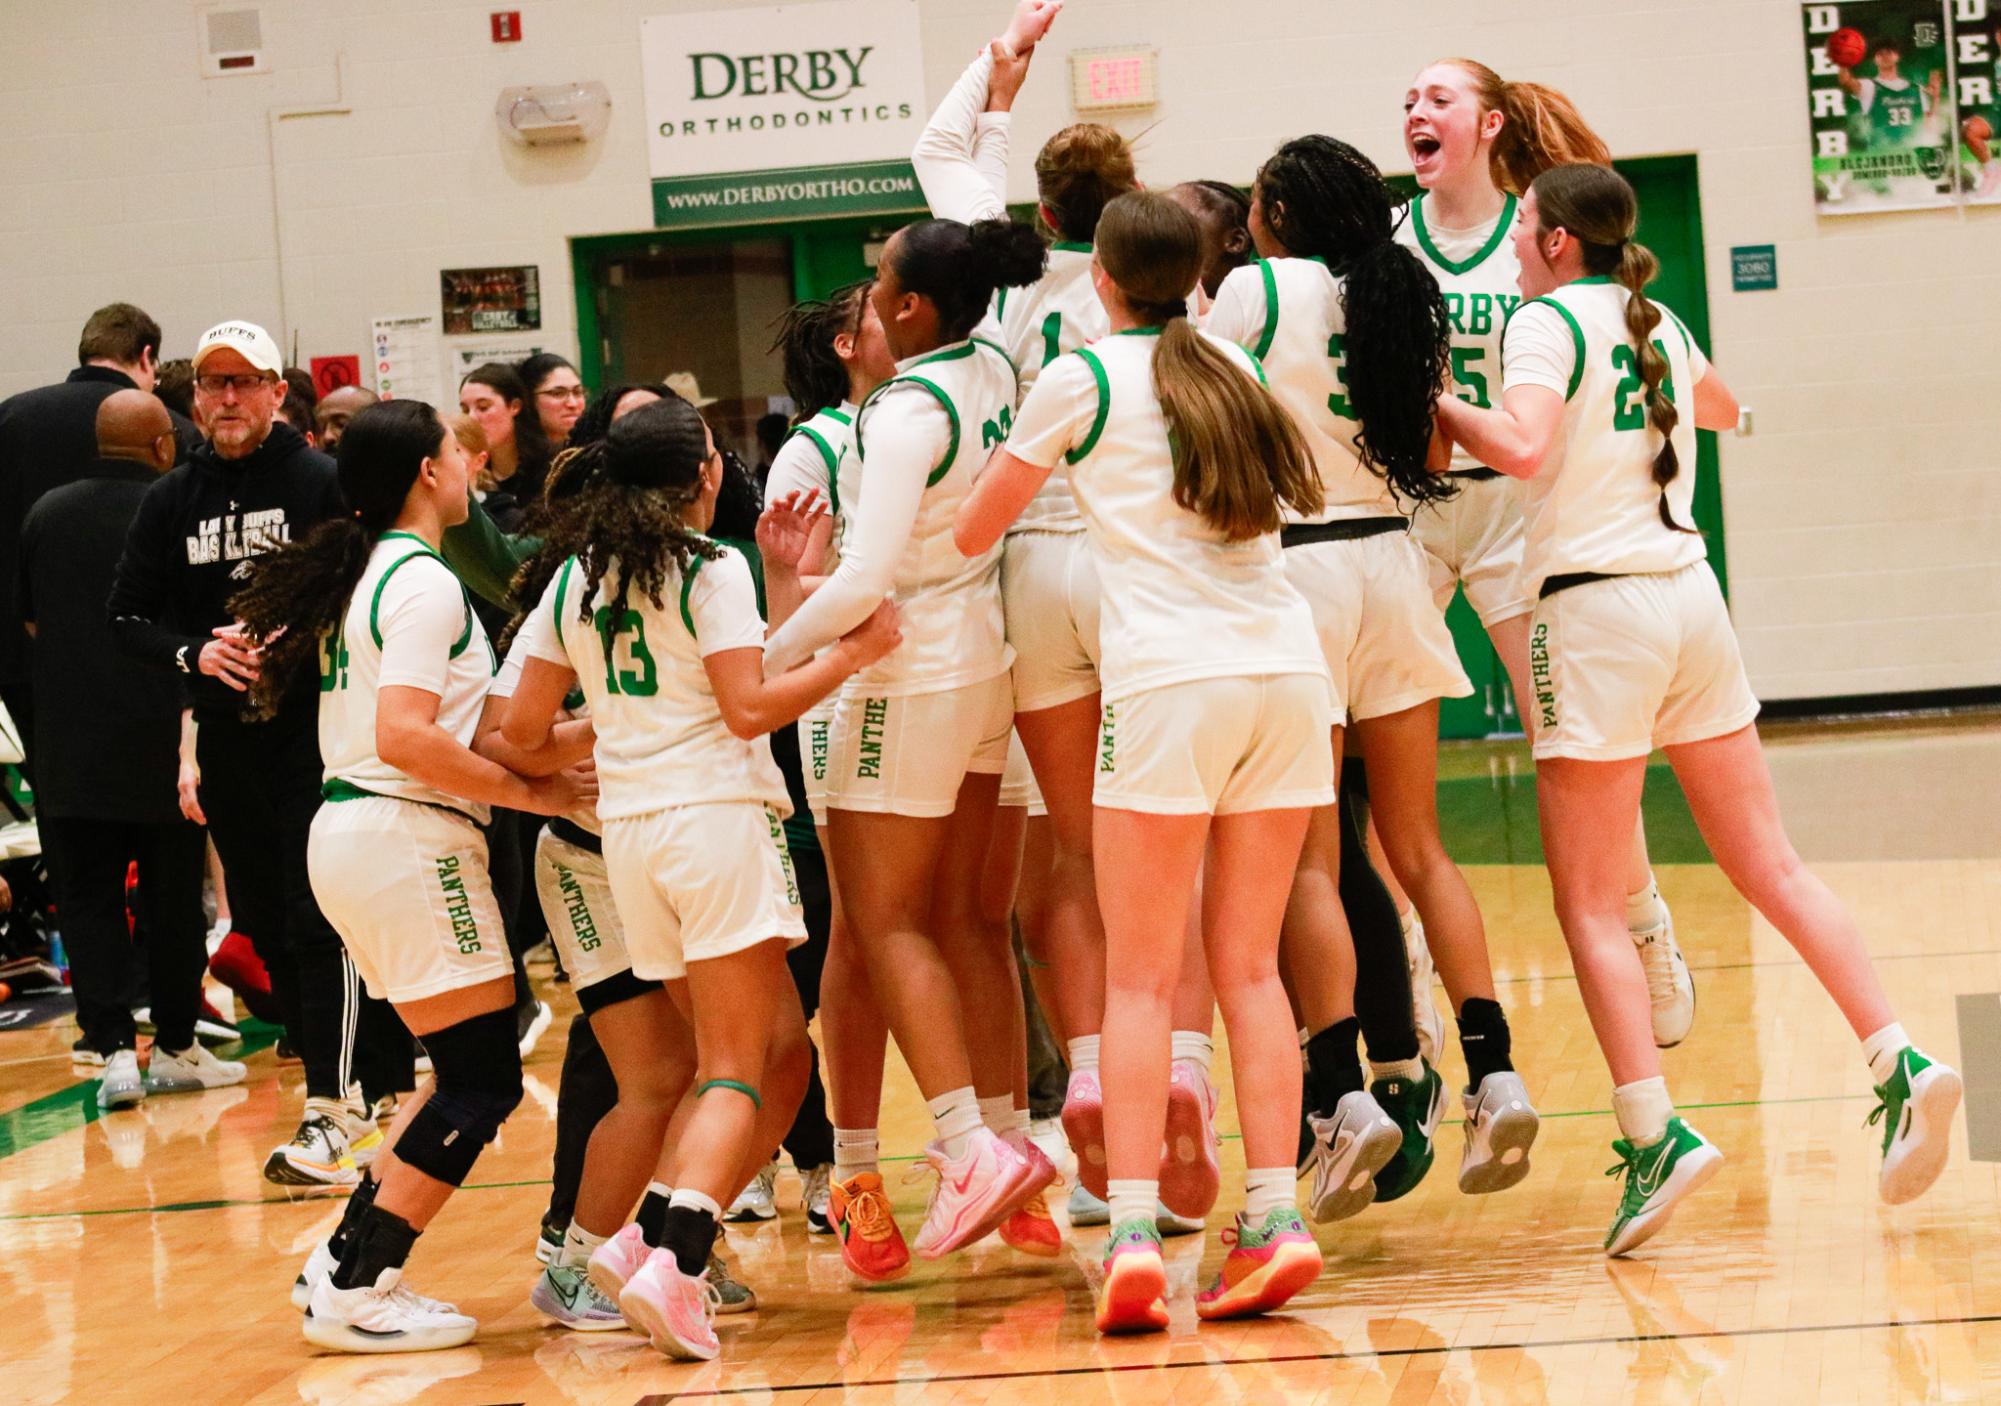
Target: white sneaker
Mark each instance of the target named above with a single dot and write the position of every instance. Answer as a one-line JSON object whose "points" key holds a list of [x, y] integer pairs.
{"points": [[566, 1297], [364, 1132], [756, 1202], [1423, 1009], [121, 1085], [190, 1071], [1348, 1150], [531, 1023], [385, 1318], [1168, 1223], [320, 1263], [1670, 989], [814, 1196], [1047, 1134], [1501, 1126], [618, 1259], [318, 1153]]}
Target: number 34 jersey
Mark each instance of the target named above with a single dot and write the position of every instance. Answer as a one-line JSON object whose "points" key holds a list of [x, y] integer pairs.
{"points": [[661, 739]]}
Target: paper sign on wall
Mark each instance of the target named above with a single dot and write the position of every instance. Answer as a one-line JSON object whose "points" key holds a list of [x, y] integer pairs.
{"points": [[406, 358], [330, 373]]}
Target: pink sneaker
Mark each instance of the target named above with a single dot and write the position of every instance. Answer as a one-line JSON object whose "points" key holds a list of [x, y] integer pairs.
{"points": [[1084, 1125], [678, 1311], [617, 1260], [974, 1194], [1189, 1174]]}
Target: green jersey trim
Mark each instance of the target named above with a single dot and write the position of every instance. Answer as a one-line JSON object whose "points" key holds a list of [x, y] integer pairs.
{"points": [[375, 603], [1104, 406], [827, 455], [1271, 310], [562, 585], [1141, 332], [998, 350], [1577, 339], [687, 587], [1070, 246], [1431, 250], [951, 413]]}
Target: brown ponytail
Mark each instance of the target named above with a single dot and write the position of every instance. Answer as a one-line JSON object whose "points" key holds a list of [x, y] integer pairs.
{"points": [[1598, 208], [1078, 172], [1239, 459], [1543, 128]]}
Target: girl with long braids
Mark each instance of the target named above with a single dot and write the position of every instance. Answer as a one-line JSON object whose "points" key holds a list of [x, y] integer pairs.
{"points": [[1050, 592], [1216, 709], [658, 626], [920, 740], [1353, 332], [396, 857], [1603, 390], [1476, 142]]}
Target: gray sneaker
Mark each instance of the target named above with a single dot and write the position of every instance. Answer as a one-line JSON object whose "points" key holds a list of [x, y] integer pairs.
{"points": [[732, 1295], [120, 1086], [190, 1071]]}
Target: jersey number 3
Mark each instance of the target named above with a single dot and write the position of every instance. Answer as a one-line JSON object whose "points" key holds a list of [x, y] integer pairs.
{"points": [[333, 662], [643, 679]]}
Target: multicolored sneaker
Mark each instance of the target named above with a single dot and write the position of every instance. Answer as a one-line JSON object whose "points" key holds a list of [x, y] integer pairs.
{"points": [[1501, 1126], [871, 1244], [1416, 1106], [676, 1311], [1190, 1176], [318, 1153], [1084, 1125], [732, 1294], [1670, 988], [1657, 1177], [617, 1260], [1916, 1109], [566, 1297], [1349, 1149], [976, 1191], [1266, 1266], [1032, 1231], [1134, 1297]]}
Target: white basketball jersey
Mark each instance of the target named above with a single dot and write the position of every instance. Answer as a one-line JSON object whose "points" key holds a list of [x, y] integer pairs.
{"points": [[1058, 314], [1480, 278]]}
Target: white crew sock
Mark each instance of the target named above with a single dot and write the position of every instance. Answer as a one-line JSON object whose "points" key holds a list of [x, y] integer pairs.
{"points": [[856, 1150], [1268, 1188], [1193, 1045], [578, 1244], [1644, 910], [957, 1114], [696, 1201], [1083, 1053], [1643, 1109], [1132, 1200], [1882, 1049]]}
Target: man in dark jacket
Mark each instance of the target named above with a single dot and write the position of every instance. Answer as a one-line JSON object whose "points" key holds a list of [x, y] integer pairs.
{"points": [[108, 737], [256, 485], [47, 438]]}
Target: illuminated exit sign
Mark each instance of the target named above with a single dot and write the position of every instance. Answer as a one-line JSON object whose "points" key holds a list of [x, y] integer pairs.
{"points": [[1106, 80]]}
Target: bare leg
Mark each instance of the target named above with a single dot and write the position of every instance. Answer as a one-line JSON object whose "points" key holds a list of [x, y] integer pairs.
{"points": [[652, 1055], [735, 1003], [978, 950], [1062, 747], [1317, 950], [853, 1034], [998, 881]]}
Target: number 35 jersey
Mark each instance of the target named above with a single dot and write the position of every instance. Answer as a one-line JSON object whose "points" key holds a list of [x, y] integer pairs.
{"points": [[661, 739], [1480, 277]]}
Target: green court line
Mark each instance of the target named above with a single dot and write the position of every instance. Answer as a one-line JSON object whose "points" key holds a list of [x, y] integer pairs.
{"points": [[68, 1109], [175, 1206]]}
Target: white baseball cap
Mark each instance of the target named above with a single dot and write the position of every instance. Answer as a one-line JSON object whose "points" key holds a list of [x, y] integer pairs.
{"points": [[247, 340]]}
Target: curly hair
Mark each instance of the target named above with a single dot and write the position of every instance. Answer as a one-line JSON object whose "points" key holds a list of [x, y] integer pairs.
{"points": [[815, 376], [294, 596], [596, 419], [1323, 199]]}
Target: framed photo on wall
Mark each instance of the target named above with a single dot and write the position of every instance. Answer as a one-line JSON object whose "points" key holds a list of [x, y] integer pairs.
{"points": [[491, 299], [1882, 106]]}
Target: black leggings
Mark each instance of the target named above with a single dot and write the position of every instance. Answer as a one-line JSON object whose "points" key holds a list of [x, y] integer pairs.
{"points": [[1382, 970]]}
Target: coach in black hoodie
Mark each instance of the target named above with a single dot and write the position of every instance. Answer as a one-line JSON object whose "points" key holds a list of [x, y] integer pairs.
{"points": [[256, 485]]}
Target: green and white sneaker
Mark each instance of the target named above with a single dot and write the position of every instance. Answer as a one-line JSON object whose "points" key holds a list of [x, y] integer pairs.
{"points": [[565, 1296], [732, 1294], [1416, 1106], [1916, 1109], [1657, 1178]]}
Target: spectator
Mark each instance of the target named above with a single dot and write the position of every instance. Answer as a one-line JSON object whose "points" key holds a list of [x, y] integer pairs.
{"points": [[299, 382], [255, 485], [48, 437], [175, 385], [296, 412], [335, 409], [771, 432], [494, 395], [556, 392], [108, 739]]}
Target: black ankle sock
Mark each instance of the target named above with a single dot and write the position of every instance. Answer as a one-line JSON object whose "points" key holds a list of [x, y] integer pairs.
{"points": [[1483, 1038], [652, 1219], [357, 1207], [690, 1233], [1333, 1068], [381, 1241]]}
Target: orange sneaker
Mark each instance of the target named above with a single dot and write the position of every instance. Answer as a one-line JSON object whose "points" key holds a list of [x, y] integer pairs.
{"points": [[871, 1244], [1031, 1231]]}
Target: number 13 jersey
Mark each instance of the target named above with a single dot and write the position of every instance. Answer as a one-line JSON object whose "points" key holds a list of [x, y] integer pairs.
{"points": [[661, 739]]}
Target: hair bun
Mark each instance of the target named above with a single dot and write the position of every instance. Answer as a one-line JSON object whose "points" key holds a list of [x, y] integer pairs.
{"points": [[1008, 255]]}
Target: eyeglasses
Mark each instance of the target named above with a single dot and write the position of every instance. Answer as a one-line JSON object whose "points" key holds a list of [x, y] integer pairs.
{"points": [[563, 393], [242, 385]]}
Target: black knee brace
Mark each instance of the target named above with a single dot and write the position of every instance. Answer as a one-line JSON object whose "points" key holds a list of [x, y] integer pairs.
{"points": [[476, 1073]]}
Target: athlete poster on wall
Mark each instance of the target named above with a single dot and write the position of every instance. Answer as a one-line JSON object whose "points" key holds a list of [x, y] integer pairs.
{"points": [[1882, 109], [1975, 35]]}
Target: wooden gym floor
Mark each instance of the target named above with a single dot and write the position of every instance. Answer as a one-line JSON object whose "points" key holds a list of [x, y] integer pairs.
{"points": [[143, 1259]]}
